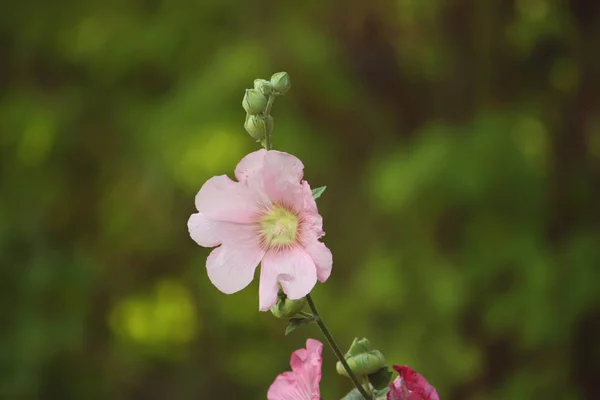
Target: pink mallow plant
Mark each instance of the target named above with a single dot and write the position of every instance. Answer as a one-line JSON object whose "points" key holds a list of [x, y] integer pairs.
{"points": [[269, 216]]}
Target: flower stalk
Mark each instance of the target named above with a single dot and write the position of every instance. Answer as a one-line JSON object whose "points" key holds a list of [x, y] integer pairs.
{"points": [[267, 113], [270, 204], [311, 303], [336, 348]]}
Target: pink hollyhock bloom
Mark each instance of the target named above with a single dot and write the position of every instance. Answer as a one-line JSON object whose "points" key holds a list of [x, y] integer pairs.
{"points": [[269, 215], [302, 383], [410, 386]]}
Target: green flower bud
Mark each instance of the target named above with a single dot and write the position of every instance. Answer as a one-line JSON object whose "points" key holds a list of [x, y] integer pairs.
{"points": [[254, 102], [362, 359], [263, 86], [281, 82], [258, 126], [285, 308]]}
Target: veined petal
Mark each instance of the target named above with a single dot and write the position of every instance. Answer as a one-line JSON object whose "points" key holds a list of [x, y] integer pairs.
{"points": [[250, 166], [307, 358], [295, 271], [303, 382], [231, 267], [312, 227], [322, 258], [205, 232], [249, 172], [285, 387], [268, 287], [221, 199], [310, 204], [282, 173]]}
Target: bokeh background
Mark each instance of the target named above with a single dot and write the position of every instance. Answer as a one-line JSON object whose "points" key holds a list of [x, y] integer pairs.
{"points": [[459, 140]]}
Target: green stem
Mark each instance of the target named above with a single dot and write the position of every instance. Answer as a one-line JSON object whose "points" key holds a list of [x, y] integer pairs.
{"points": [[269, 105], [268, 144], [311, 303], [336, 348], [305, 314], [367, 385]]}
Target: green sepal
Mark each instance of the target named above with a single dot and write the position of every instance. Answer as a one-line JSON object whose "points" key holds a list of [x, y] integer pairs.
{"points": [[317, 192], [381, 394], [285, 308], [296, 323], [354, 394], [380, 379]]}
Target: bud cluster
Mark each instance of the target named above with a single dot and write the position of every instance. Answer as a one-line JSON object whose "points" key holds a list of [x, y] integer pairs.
{"points": [[362, 359], [258, 102]]}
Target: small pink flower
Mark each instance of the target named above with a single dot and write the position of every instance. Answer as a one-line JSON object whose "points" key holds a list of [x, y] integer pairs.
{"points": [[302, 383], [269, 215], [410, 386]]}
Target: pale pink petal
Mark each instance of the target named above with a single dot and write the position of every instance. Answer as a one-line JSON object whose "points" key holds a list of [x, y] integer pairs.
{"points": [[299, 359], [310, 205], [250, 166], [308, 359], [322, 258], [231, 267], [221, 199], [249, 172], [303, 382], [209, 233], [282, 174], [312, 222], [204, 231], [312, 227], [268, 286], [295, 271], [315, 349], [286, 387]]}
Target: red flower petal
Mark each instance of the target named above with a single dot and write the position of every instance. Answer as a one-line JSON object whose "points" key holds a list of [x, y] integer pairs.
{"points": [[409, 385]]}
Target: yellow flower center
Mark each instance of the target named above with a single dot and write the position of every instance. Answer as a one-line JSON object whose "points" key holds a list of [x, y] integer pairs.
{"points": [[279, 227]]}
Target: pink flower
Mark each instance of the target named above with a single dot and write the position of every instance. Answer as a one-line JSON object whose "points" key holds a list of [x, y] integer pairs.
{"points": [[302, 383], [269, 216], [410, 386]]}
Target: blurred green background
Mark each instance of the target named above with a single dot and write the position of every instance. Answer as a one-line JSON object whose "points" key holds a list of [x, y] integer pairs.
{"points": [[459, 140]]}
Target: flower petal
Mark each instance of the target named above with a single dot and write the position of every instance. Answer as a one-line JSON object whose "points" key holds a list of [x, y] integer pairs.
{"points": [[409, 385], [268, 286], [250, 166], [282, 174], [322, 258], [295, 271], [309, 357], [303, 382], [221, 199], [286, 387], [249, 172], [231, 267], [310, 204], [204, 231], [306, 363]]}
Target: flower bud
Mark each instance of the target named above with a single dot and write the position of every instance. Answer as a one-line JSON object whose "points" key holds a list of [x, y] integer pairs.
{"points": [[263, 86], [254, 102], [285, 308], [281, 82], [259, 127], [361, 359]]}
